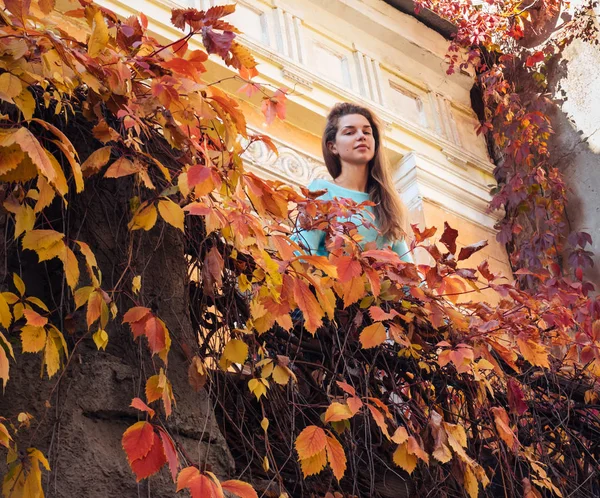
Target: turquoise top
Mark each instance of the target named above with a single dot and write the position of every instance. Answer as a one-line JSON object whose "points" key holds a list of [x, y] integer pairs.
{"points": [[314, 240]]}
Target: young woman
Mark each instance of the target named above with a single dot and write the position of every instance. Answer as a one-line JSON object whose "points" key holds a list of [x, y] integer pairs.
{"points": [[354, 158]]}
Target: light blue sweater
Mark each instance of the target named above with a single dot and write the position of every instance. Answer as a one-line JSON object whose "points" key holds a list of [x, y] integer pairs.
{"points": [[314, 240]]}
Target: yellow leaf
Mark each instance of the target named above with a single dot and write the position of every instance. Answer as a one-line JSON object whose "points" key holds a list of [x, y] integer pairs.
{"points": [[59, 181], [144, 218], [236, 351], [470, 483], [99, 36], [37, 240], [171, 213], [51, 354], [373, 335], [258, 387], [265, 464], [313, 464], [533, 352], [26, 103], [267, 368], [32, 147], [136, 284], [10, 87], [337, 411], [311, 441], [100, 339], [4, 370], [243, 283], [5, 315], [24, 219], [19, 284], [10, 158], [264, 424], [96, 160], [81, 296], [281, 375], [46, 194], [4, 435], [33, 338], [402, 458], [71, 267]]}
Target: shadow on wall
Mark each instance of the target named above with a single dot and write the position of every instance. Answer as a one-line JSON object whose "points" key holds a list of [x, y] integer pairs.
{"points": [[574, 85]]}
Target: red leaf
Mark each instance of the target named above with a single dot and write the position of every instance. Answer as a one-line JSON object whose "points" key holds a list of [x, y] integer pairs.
{"points": [[140, 405], [467, 251], [347, 268], [449, 238], [170, 452], [137, 440], [199, 485], [532, 60], [217, 43], [420, 236], [155, 332], [516, 398], [152, 462]]}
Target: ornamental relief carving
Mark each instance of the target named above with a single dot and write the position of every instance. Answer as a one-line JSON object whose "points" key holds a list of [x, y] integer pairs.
{"points": [[291, 165]]}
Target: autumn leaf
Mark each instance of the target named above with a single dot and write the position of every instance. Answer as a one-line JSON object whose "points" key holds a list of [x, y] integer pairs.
{"points": [[467, 251], [140, 405], [236, 351], [96, 160], [533, 352], [402, 458], [337, 411], [10, 87], [170, 452], [99, 37], [200, 486], [373, 335], [137, 440], [379, 420], [314, 464], [122, 167], [171, 213], [308, 304], [239, 488], [144, 218], [311, 441], [258, 387], [449, 238]]}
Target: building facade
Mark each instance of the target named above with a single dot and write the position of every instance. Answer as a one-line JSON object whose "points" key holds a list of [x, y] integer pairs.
{"points": [[369, 52]]}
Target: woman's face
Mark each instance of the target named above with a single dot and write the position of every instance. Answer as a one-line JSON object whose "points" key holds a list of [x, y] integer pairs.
{"points": [[354, 141]]}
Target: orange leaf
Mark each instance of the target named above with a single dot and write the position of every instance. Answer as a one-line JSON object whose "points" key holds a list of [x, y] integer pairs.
{"points": [[336, 457], [533, 352], [310, 442], [373, 335], [502, 426], [348, 268], [379, 420], [353, 290], [121, 167], [137, 440], [140, 405], [404, 459], [30, 145], [34, 319], [96, 160], [239, 488], [308, 304], [199, 485], [337, 411]]}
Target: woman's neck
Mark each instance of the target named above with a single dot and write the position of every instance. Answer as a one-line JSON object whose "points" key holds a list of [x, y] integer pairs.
{"points": [[353, 177]]}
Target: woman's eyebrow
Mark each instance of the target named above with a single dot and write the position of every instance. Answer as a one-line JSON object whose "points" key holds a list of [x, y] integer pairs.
{"points": [[353, 127]]}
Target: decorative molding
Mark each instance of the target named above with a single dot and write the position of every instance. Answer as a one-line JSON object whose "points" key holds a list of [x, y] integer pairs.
{"points": [[420, 179], [290, 166]]}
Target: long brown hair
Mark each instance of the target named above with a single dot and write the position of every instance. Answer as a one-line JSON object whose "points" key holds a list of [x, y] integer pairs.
{"points": [[389, 210]]}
